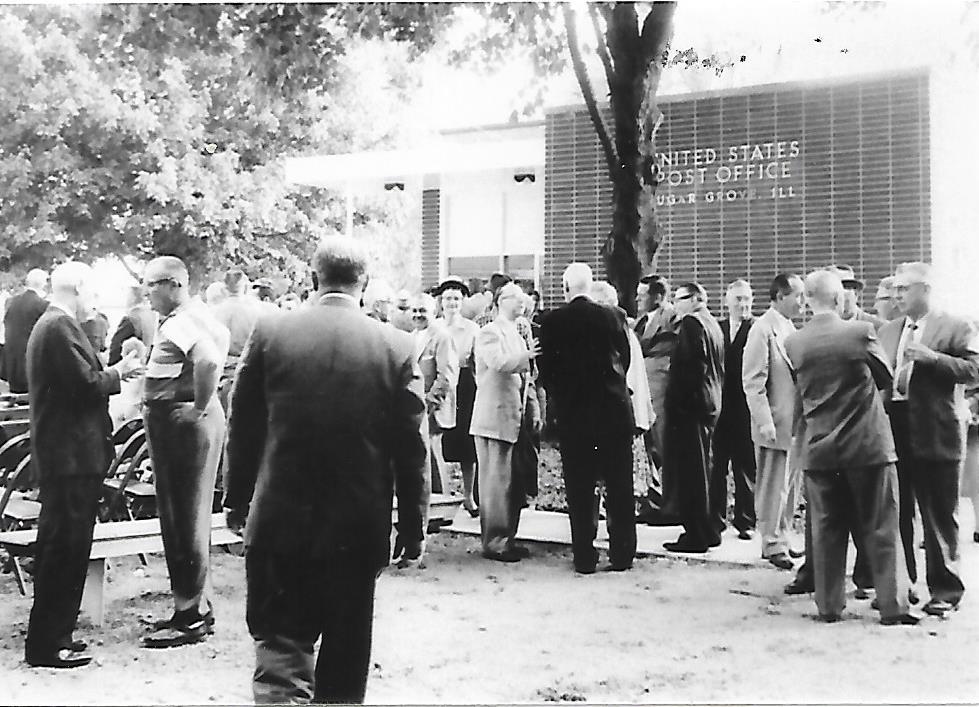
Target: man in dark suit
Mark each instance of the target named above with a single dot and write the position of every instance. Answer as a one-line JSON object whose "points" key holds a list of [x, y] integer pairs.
{"points": [[848, 452], [70, 450], [693, 404], [933, 353], [325, 422], [583, 362], [732, 437], [22, 313]]}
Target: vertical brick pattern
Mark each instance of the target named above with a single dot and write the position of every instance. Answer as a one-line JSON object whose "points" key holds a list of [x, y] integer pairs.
{"points": [[860, 187], [430, 237]]}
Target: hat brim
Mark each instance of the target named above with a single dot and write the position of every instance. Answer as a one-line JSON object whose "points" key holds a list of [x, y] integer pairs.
{"points": [[852, 282], [451, 285]]}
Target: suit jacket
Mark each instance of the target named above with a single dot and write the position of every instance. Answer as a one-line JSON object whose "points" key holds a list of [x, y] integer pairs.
{"points": [[735, 419], [439, 363], [766, 375], [502, 383], [935, 399], [693, 391], [69, 400], [583, 363], [657, 337], [23, 311], [862, 316], [325, 421], [839, 368]]}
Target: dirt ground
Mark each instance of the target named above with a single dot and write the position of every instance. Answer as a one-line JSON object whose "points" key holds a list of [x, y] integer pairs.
{"points": [[466, 630]]}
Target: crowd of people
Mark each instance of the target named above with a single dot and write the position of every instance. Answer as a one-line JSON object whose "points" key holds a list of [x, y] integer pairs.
{"points": [[328, 406]]}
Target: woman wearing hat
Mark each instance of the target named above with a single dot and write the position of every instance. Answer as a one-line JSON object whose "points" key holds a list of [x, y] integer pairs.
{"points": [[457, 443]]}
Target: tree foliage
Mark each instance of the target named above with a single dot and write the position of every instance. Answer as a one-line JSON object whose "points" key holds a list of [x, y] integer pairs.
{"points": [[150, 129]]}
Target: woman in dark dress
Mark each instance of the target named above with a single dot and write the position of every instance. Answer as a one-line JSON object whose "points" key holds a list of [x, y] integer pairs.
{"points": [[457, 443]]}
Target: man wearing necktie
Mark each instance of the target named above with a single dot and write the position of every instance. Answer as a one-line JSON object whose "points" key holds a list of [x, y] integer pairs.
{"points": [[932, 353]]}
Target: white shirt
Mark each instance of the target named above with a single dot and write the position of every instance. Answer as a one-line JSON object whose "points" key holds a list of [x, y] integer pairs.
{"points": [[912, 331]]}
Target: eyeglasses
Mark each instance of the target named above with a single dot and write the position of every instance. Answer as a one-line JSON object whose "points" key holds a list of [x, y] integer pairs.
{"points": [[418, 310], [161, 281]]}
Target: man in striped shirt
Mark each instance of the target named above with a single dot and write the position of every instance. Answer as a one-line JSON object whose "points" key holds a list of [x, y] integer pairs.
{"points": [[185, 428]]}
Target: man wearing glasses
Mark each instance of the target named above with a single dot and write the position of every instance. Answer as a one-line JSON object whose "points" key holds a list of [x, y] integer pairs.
{"points": [[932, 353], [693, 405], [185, 429]]}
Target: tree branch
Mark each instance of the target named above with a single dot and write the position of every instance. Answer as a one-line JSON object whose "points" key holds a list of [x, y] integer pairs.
{"points": [[600, 46], [657, 29], [581, 73]]}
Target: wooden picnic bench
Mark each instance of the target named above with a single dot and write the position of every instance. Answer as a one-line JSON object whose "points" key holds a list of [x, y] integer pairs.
{"points": [[141, 537]]}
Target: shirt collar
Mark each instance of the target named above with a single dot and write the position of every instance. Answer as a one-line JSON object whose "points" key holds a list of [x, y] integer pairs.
{"points": [[341, 296], [64, 309]]}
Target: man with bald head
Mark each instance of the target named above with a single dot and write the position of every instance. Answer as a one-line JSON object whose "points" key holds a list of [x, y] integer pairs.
{"points": [[847, 451], [583, 363], [22, 313], [378, 300], [185, 429], [70, 451]]}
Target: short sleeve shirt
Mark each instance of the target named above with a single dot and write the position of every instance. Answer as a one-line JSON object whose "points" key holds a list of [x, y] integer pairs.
{"points": [[170, 370]]}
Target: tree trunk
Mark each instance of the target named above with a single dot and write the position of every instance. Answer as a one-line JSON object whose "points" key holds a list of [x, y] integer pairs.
{"points": [[638, 59]]}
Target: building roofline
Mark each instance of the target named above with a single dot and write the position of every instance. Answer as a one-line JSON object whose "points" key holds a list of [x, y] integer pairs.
{"points": [[492, 127], [765, 87]]}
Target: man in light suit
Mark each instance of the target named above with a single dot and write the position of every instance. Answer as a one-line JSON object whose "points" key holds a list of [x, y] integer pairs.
{"points": [[770, 391], [848, 451], [583, 363], [852, 291], [502, 393], [732, 447], [693, 404], [70, 450], [656, 330], [325, 422], [933, 353]]}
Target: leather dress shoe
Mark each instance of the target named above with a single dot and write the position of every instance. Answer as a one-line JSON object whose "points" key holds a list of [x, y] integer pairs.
{"points": [[585, 569], [505, 556], [521, 551], [900, 620], [861, 593], [684, 545], [746, 534], [827, 618], [617, 567], [939, 608], [796, 587], [79, 646], [912, 599], [796, 554], [781, 560], [64, 658]]}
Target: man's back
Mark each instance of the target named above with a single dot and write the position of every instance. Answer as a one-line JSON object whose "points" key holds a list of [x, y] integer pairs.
{"points": [[22, 313], [69, 393], [239, 313], [326, 403], [583, 362], [839, 366]]}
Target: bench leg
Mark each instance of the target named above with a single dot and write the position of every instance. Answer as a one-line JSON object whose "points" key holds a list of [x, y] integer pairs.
{"points": [[93, 596], [19, 575]]}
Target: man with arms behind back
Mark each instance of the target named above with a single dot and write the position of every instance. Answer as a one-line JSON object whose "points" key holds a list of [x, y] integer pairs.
{"points": [[325, 420]]}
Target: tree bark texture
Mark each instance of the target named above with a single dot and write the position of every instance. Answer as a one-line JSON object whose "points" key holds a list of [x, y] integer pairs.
{"points": [[637, 56]]}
